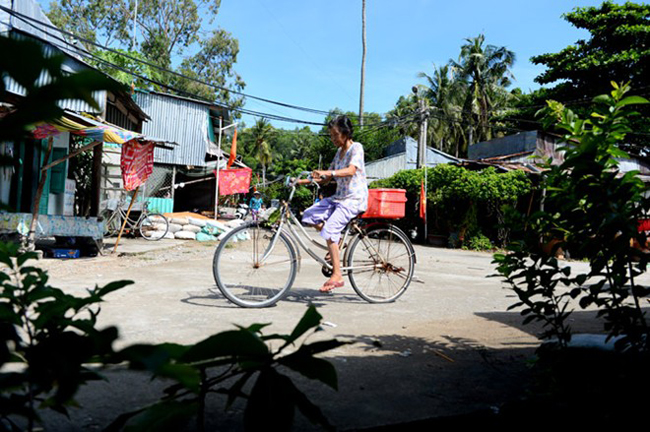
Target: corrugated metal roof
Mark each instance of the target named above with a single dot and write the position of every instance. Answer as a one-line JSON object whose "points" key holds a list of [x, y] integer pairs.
{"points": [[176, 120]]}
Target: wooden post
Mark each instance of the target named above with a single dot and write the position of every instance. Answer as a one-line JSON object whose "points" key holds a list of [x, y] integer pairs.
{"points": [[96, 183], [216, 189], [173, 185], [126, 219], [31, 237]]}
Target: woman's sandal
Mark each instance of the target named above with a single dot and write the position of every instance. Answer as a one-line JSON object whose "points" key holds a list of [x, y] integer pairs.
{"points": [[329, 286]]}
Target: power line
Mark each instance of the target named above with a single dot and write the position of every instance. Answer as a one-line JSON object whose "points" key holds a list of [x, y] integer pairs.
{"points": [[26, 19]]}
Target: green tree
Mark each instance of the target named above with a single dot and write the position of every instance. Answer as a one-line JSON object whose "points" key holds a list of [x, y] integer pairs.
{"points": [[445, 94], [167, 29], [593, 210], [400, 118], [96, 20], [485, 70], [261, 133], [617, 49]]}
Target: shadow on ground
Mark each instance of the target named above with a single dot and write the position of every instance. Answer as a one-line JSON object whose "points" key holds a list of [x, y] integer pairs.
{"points": [[388, 379]]}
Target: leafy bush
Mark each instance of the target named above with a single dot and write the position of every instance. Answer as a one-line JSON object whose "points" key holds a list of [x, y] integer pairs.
{"points": [[51, 334], [592, 210], [50, 340], [478, 242], [458, 195]]}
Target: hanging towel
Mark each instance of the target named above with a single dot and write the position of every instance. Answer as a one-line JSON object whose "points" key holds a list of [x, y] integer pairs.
{"points": [[136, 163]]}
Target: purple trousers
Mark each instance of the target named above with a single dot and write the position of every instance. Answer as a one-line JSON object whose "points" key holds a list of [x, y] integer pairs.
{"points": [[335, 215]]}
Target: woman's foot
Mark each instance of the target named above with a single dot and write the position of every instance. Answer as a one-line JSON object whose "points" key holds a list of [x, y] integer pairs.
{"points": [[331, 284]]}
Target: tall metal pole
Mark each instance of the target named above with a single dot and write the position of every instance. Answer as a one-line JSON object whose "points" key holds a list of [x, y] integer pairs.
{"points": [[216, 188]]}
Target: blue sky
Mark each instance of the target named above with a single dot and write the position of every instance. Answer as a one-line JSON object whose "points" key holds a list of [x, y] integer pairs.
{"points": [[308, 52]]}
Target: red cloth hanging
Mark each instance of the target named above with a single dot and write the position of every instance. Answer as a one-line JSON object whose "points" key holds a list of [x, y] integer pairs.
{"points": [[233, 150], [234, 181], [136, 163], [423, 201]]}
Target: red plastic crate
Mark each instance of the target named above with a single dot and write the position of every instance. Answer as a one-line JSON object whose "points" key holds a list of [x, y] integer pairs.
{"points": [[386, 204]]}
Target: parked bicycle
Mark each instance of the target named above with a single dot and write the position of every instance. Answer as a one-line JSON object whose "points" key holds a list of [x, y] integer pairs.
{"points": [[255, 264], [151, 226]]}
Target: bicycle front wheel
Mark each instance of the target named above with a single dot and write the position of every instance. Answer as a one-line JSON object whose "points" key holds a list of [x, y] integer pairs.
{"points": [[154, 226], [382, 264], [254, 266]]}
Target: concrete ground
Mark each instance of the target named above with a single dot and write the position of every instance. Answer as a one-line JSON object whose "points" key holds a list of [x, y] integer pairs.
{"points": [[447, 346]]}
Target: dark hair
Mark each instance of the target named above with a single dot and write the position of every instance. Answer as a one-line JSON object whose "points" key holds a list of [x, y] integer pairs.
{"points": [[343, 124]]}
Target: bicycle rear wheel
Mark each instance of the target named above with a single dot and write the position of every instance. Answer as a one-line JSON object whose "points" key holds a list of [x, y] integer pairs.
{"points": [[153, 226], [112, 223], [385, 263], [252, 267]]}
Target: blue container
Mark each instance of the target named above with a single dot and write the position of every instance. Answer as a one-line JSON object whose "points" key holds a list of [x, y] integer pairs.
{"points": [[65, 253]]}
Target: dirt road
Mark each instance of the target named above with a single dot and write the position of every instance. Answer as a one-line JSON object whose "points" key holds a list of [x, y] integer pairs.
{"points": [[447, 346]]}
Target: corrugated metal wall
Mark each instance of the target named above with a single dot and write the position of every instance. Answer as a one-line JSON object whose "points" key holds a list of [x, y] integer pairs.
{"points": [[177, 120], [70, 65]]}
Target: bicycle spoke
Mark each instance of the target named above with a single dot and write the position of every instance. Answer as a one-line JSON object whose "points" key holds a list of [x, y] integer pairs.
{"points": [[265, 264]]}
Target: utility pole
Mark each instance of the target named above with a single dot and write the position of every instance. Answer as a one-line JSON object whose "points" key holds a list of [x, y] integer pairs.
{"points": [[422, 137]]}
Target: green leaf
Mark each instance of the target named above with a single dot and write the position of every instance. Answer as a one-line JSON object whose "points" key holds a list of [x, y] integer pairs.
{"points": [[254, 328], [24, 257], [310, 319], [186, 375], [226, 344], [112, 286], [632, 100]]}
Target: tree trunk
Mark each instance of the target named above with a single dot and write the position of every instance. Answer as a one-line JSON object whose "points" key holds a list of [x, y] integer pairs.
{"points": [[363, 59]]}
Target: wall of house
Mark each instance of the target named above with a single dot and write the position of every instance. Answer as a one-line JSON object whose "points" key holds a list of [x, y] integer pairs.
{"points": [[176, 120], [402, 155]]}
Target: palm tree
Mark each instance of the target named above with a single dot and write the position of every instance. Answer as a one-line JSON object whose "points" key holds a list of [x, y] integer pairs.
{"points": [[485, 69], [262, 132], [445, 95], [401, 116], [363, 59]]}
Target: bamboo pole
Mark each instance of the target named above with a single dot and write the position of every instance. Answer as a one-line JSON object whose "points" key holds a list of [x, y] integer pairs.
{"points": [[31, 237], [126, 219], [71, 155]]}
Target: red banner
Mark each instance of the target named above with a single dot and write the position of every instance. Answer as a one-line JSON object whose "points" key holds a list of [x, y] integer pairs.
{"points": [[232, 181]]}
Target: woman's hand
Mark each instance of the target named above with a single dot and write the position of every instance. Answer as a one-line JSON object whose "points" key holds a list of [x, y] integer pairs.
{"points": [[319, 175]]}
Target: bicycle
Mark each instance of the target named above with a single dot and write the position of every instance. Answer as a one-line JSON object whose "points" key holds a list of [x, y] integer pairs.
{"points": [[255, 264], [146, 224]]}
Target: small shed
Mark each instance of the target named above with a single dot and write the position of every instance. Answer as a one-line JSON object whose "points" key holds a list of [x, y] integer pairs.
{"points": [[525, 150]]}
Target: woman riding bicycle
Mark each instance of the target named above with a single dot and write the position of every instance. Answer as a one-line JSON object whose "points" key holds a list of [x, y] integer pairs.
{"points": [[332, 214]]}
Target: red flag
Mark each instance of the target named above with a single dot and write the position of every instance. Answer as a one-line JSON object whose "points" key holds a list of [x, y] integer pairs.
{"points": [[233, 150], [423, 201]]}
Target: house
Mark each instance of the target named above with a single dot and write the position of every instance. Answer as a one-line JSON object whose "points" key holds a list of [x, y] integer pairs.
{"points": [[401, 155], [525, 150], [19, 185], [183, 179]]}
